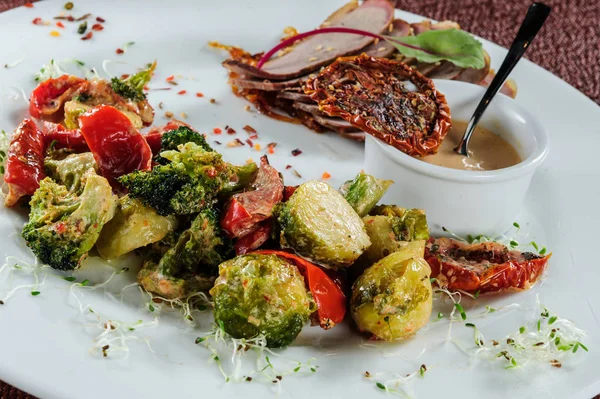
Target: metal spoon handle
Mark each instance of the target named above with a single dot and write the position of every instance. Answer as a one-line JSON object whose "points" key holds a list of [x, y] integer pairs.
{"points": [[535, 18]]}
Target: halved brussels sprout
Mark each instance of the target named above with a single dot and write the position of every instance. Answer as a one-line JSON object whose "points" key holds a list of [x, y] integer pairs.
{"points": [[407, 224], [319, 224], [134, 225], [364, 192], [261, 294], [393, 298]]}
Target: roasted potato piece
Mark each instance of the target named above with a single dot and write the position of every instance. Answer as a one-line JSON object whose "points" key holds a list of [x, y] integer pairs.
{"points": [[319, 224], [393, 298]]}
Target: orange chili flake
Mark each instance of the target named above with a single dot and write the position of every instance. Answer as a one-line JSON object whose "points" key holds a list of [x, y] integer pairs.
{"points": [[120, 51], [54, 33], [199, 94], [217, 130], [28, 5], [271, 150], [88, 36], [325, 176], [97, 27], [60, 24], [182, 92], [257, 147], [170, 78]]}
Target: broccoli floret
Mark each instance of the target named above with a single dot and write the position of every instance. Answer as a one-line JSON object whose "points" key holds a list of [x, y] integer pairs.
{"points": [[132, 87], [188, 184], [189, 264], [72, 170], [173, 138], [64, 226]]}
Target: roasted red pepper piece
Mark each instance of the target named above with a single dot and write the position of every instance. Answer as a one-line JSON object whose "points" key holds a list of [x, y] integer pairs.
{"points": [[117, 146], [247, 209], [483, 267], [60, 137], [25, 163], [288, 191], [48, 99], [254, 239], [331, 301]]}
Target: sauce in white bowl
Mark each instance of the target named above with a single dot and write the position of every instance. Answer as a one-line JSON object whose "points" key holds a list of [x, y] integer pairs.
{"points": [[465, 201]]}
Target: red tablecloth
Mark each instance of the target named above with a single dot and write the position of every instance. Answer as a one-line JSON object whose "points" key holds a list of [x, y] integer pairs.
{"points": [[568, 46]]}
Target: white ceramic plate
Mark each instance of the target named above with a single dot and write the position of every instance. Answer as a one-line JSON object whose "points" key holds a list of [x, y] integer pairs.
{"points": [[45, 345]]}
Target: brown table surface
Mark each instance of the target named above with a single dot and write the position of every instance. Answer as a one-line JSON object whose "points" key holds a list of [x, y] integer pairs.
{"points": [[568, 46]]}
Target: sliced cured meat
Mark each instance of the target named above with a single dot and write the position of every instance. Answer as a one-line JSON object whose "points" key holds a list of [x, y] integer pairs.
{"points": [[254, 239], [117, 145], [476, 76], [267, 85], [310, 108], [312, 53], [446, 70], [245, 210], [340, 13], [295, 96], [425, 25], [384, 49], [25, 163], [370, 94], [483, 267]]}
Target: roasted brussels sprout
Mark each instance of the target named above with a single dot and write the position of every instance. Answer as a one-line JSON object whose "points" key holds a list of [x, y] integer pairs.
{"points": [[261, 294], [134, 225], [408, 224], [393, 298], [319, 224], [364, 192]]}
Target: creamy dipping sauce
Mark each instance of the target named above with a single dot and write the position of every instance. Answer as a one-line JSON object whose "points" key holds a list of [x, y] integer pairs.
{"points": [[487, 150]]}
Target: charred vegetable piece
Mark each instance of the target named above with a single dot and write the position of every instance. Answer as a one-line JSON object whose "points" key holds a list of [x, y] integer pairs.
{"points": [[255, 239], [188, 183], [407, 224], [364, 192], [370, 93], [117, 146], [25, 163], [58, 137], [134, 226], [328, 296], [483, 267], [247, 209], [319, 224], [151, 278], [64, 226], [47, 100], [261, 295], [393, 298], [71, 170]]}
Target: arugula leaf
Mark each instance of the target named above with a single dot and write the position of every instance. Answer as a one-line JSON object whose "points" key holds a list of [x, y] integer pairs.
{"points": [[453, 45]]}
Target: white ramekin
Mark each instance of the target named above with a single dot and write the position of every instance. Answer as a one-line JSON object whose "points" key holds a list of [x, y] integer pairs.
{"points": [[465, 202]]}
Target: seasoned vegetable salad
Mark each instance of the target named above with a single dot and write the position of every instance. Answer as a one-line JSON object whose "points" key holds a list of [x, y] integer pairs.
{"points": [[270, 257]]}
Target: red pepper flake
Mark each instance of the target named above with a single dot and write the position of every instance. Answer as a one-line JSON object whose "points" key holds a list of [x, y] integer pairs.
{"points": [[170, 78], [28, 5], [231, 130], [199, 94], [124, 76], [250, 143], [100, 19], [88, 36], [97, 27], [249, 129], [60, 24], [83, 17], [37, 21], [296, 152], [298, 175], [235, 143], [217, 142], [217, 131], [70, 18], [120, 51], [182, 92], [211, 172], [146, 88], [288, 166], [271, 149], [253, 137], [325, 176], [272, 144]]}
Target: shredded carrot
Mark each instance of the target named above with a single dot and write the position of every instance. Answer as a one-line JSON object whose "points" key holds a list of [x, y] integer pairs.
{"points": [[257, 147], [271, 150], [60, 24], [199, 94], [217, 130], [325, 176], [170, 78], [28, 5], [182, 92], [54, 33]]}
